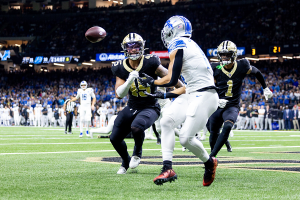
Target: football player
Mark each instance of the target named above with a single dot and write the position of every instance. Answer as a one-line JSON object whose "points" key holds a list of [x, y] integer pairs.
{"points": [[142, 110], [198, 100], [229, 74], [86, 106]]}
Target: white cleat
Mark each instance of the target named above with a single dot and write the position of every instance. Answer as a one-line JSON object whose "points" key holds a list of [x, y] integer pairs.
{"points": [[203, 137], [134, 162], [80, 135], [231, 134], [183, 149], [122, 170]]}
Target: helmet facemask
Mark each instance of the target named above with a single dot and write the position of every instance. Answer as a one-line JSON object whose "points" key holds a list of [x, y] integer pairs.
{"points": [[83, 85], [133, 50], [227, 57]]}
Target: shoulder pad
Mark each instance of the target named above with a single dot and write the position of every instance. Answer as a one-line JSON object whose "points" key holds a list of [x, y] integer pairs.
{"points": [[79, 90], [177, 43], [244, 61]]}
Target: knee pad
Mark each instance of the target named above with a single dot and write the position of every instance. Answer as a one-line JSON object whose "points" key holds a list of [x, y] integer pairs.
{"points": [[136, 130], [227, 126], [184, 140]]}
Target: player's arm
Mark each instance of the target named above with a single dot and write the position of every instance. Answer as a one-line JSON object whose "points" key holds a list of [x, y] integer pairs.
{"points": [[174, 71], [165, 95], [122, 86], [75, 98], [93, 100], [258, 75], [162, 72]]}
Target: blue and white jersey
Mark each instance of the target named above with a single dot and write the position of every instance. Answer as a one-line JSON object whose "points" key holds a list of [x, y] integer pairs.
{"points": [[85, 96], [196, 69]]}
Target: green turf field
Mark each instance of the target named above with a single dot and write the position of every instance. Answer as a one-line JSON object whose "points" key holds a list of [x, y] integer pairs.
{"points": [[44, 163]]}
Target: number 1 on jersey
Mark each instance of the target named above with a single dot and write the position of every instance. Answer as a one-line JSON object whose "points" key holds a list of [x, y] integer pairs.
{"points": [[229, 91]]}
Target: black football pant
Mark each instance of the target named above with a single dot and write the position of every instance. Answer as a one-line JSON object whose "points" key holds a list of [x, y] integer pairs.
{"points": [[135, 121], [69, 122], [228, 116]]}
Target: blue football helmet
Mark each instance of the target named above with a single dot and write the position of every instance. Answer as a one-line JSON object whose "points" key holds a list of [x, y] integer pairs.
{"points": [[176, 26]]}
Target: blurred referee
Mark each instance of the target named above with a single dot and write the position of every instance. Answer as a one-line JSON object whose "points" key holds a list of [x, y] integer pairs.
{"points": [[69, 112]]}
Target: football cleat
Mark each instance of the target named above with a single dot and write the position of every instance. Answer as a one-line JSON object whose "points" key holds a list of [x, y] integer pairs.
{"points": [[183, 149], [203, 137], [65, 132], [87, 134], [70, 133], [134, 162], [166, 175], [122, 170], [210, 173], [80, 135]]}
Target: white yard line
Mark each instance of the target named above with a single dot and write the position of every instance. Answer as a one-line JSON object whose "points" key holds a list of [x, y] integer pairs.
{"points": [[95, 151]]}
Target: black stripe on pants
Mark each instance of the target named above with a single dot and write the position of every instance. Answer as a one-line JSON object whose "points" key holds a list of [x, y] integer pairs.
{"points": [[69, 122]]}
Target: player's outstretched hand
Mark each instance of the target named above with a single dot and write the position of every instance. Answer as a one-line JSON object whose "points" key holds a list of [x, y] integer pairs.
{"points": [[133, 74], [158, 94], [267, 93], [146, 81], [222, 103]]}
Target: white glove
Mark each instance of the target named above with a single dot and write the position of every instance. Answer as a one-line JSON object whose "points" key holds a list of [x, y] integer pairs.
{"points": [[222, 103], [268, 94], [133, 75]]}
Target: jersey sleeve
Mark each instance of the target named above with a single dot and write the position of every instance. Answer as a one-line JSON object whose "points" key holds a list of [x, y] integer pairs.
{"points": [[92, 93], [114, 69], [176, 44], [246, 67], [78, 93]]}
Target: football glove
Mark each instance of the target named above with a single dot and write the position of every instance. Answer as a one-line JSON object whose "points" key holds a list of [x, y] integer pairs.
{"points": [[146, 81], [133, 74], [222, 103], [158, 94], [267, 93]]}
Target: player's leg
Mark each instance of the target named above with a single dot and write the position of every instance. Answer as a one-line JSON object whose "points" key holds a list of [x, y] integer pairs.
{"points": [[121, 128], [82, 118], [143, 120], [105, 130], [196, 118], [70, 124], [214, 125], [67, 122], [171, 118], [88, 118], [158, 140], [229, 116]]}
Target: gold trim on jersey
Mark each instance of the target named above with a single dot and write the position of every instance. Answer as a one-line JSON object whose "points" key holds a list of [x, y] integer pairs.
{"points": [[137, 69], [249, 71], [230, 74]]}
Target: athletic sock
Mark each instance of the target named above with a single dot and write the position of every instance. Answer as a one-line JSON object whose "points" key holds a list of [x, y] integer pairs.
{"points": [[167, 164]]}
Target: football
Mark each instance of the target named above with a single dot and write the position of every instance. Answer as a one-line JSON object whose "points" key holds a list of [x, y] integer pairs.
{"points": [[95, 34]]}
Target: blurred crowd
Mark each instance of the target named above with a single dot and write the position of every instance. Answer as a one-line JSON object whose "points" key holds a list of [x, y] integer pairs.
{"points": [[247, 24]]}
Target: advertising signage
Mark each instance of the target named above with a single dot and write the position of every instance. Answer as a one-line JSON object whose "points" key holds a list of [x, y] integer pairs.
{"points": [[60, 59], [109, 56], [213, 52], [160, 54]]}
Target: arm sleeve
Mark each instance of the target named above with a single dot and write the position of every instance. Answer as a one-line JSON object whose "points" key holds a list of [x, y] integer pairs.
{"points": [[177, 66], [259, 76], [171, 95]]}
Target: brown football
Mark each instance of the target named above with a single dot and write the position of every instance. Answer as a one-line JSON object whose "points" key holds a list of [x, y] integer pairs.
{"points": [[95, 34]]}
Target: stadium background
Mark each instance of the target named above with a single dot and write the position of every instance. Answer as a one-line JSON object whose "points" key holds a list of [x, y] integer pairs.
{"points": [[44, 54]]}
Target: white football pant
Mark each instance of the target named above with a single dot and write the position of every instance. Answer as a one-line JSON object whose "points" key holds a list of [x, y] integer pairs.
{"points": [[193, 109]]}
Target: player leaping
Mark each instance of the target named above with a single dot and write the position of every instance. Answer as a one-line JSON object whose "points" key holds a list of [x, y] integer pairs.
{"points": [[86, 106], [229, 75], [192, 108], [142, 110]]}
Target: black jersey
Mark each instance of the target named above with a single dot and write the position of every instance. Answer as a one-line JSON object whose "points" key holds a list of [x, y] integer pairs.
{"points": [[148, 65], [230, 82]]}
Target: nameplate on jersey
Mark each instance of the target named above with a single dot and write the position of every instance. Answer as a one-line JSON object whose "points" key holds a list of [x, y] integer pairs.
{"points": [[230, 74]]}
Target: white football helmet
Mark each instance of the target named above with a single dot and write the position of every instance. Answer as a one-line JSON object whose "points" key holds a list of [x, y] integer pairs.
{"points": [[133, 40], [176, 26], [83, 85]]}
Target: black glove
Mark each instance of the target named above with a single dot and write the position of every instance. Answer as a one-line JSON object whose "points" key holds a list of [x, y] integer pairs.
{"points": [[158, 94], [146, 81]]}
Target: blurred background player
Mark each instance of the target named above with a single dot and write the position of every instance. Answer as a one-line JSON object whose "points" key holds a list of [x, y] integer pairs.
{"points": [[30, 116], [56, 115], [44, 117], [62, 117], [37, 114], [16, 115], [49, 116], [102, 111], [6, 116], [229, 75], [86, 106], [1, 115], [110, 112], [69, 112]]}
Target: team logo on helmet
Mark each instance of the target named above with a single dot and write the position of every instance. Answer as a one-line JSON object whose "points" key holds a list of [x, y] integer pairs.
{"points": [[83, 85], [176, 26]]}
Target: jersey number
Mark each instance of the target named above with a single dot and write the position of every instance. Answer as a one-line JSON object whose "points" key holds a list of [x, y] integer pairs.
{"points": [[139, 91], [84, 97], [229, 91]]}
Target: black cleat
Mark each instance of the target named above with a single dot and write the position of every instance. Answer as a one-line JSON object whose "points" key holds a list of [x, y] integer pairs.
{"points": [[229, 148], [158, 141]]}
